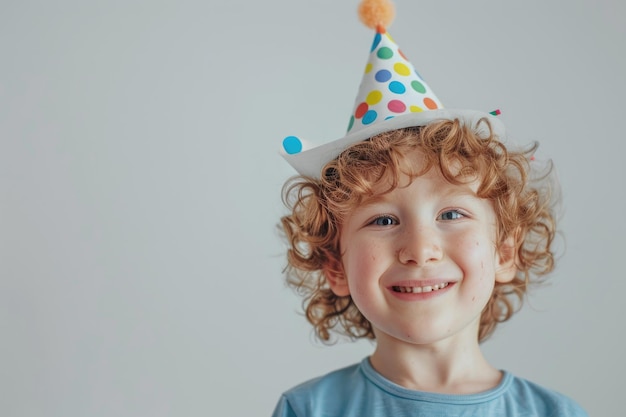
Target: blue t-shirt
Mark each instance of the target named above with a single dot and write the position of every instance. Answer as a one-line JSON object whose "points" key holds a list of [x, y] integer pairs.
{"points": [[360, 391]]}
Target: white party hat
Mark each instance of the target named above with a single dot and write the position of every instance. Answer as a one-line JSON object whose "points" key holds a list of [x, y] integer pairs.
{"points": [[392, 95]]}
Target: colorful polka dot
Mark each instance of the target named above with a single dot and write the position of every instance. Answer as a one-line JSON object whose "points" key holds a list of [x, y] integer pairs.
{"points": [[396, 106], [430, 103], [292, 145], [418, 86], [369, 117], [361, 109], [382, 76], [374, 97], [397, 87], [384, 53], [377, 40], [390, 86], [401, 69]]}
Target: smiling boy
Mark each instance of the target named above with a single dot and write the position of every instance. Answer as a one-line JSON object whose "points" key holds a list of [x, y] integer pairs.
{"points": [[420, 230], [420, 262]]}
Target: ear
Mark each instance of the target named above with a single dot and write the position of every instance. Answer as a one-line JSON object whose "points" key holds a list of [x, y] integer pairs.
{"points": [[336, 279], [507, 254]]}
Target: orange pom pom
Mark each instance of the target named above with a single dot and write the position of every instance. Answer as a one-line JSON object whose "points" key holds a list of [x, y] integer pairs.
{"points": [[376, 14]]}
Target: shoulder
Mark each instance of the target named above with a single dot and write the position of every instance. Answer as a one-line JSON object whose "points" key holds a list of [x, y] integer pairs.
{"points": [[541, 400], [328, 392], [333, 383]]}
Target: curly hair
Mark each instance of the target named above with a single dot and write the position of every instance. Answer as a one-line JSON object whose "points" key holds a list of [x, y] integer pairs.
{"points": [[523, 207]]}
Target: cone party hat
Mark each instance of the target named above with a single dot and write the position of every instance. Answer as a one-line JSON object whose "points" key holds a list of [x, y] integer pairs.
{"points": [[392, 95], [390, 85]]}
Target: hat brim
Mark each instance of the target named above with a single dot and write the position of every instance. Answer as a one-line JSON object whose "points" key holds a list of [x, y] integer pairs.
{"points": [[310, 162]]}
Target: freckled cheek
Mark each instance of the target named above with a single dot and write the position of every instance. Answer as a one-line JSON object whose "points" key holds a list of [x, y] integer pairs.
{"points": [[369, 253], [360, 264]]}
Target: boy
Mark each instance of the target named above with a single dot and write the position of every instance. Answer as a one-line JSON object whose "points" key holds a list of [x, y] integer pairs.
{"points": [[421, 230]]}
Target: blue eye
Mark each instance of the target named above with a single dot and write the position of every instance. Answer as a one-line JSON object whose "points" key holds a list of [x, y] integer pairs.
{"points": [[384, 221], [451, 215]]}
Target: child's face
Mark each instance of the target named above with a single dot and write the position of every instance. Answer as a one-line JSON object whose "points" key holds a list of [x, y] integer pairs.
{"points": [[420, 262]]}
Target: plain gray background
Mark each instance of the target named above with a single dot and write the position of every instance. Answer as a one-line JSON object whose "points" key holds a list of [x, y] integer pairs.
{"points": [[140, 267]]}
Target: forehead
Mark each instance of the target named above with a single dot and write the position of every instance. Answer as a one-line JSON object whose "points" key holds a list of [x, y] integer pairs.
{"points": [[369, 171], [405, 167], [432, 180]]}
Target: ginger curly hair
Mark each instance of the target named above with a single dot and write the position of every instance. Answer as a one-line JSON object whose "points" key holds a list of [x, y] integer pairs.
{"points": [[523, 205]]}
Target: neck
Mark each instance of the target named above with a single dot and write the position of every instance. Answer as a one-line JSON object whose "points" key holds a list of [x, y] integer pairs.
{"points": [[447, 366]]}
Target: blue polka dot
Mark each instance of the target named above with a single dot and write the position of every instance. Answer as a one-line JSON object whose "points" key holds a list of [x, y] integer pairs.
{"points": [[369, 117], [382, 76], [377, 39], [397, 87], [389, 117], [292, 145]]}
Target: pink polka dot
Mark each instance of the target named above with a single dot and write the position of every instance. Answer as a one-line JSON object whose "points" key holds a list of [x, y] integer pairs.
{"points": [[396, 106]]}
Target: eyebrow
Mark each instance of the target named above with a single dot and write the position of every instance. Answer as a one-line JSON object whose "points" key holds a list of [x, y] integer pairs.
{"points": [[370, 201], [458, 191]]}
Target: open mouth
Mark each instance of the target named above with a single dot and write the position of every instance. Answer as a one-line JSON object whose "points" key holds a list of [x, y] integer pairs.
{"points": [[417, 290]]}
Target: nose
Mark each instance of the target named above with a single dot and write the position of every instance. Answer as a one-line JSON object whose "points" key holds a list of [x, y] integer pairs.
{"points": [[419, 246]]}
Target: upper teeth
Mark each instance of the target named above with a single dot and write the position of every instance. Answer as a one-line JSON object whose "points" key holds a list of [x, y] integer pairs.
{"points": [[426, 288]]}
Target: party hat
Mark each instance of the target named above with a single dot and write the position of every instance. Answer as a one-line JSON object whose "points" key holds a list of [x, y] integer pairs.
{"points": [[392, 95]]}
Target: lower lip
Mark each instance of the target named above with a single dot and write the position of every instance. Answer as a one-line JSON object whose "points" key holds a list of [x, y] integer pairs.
{"points": [[419, 296]]}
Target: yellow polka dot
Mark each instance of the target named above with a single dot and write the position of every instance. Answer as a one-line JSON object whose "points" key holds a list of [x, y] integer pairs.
{"points": [[374, 97], [416, 109], [401, 69], [368, 67]]}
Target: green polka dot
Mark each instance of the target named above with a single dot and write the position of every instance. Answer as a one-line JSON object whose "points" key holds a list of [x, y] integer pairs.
{"points": [[418, 86], [351, 123], [384, 53]]}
